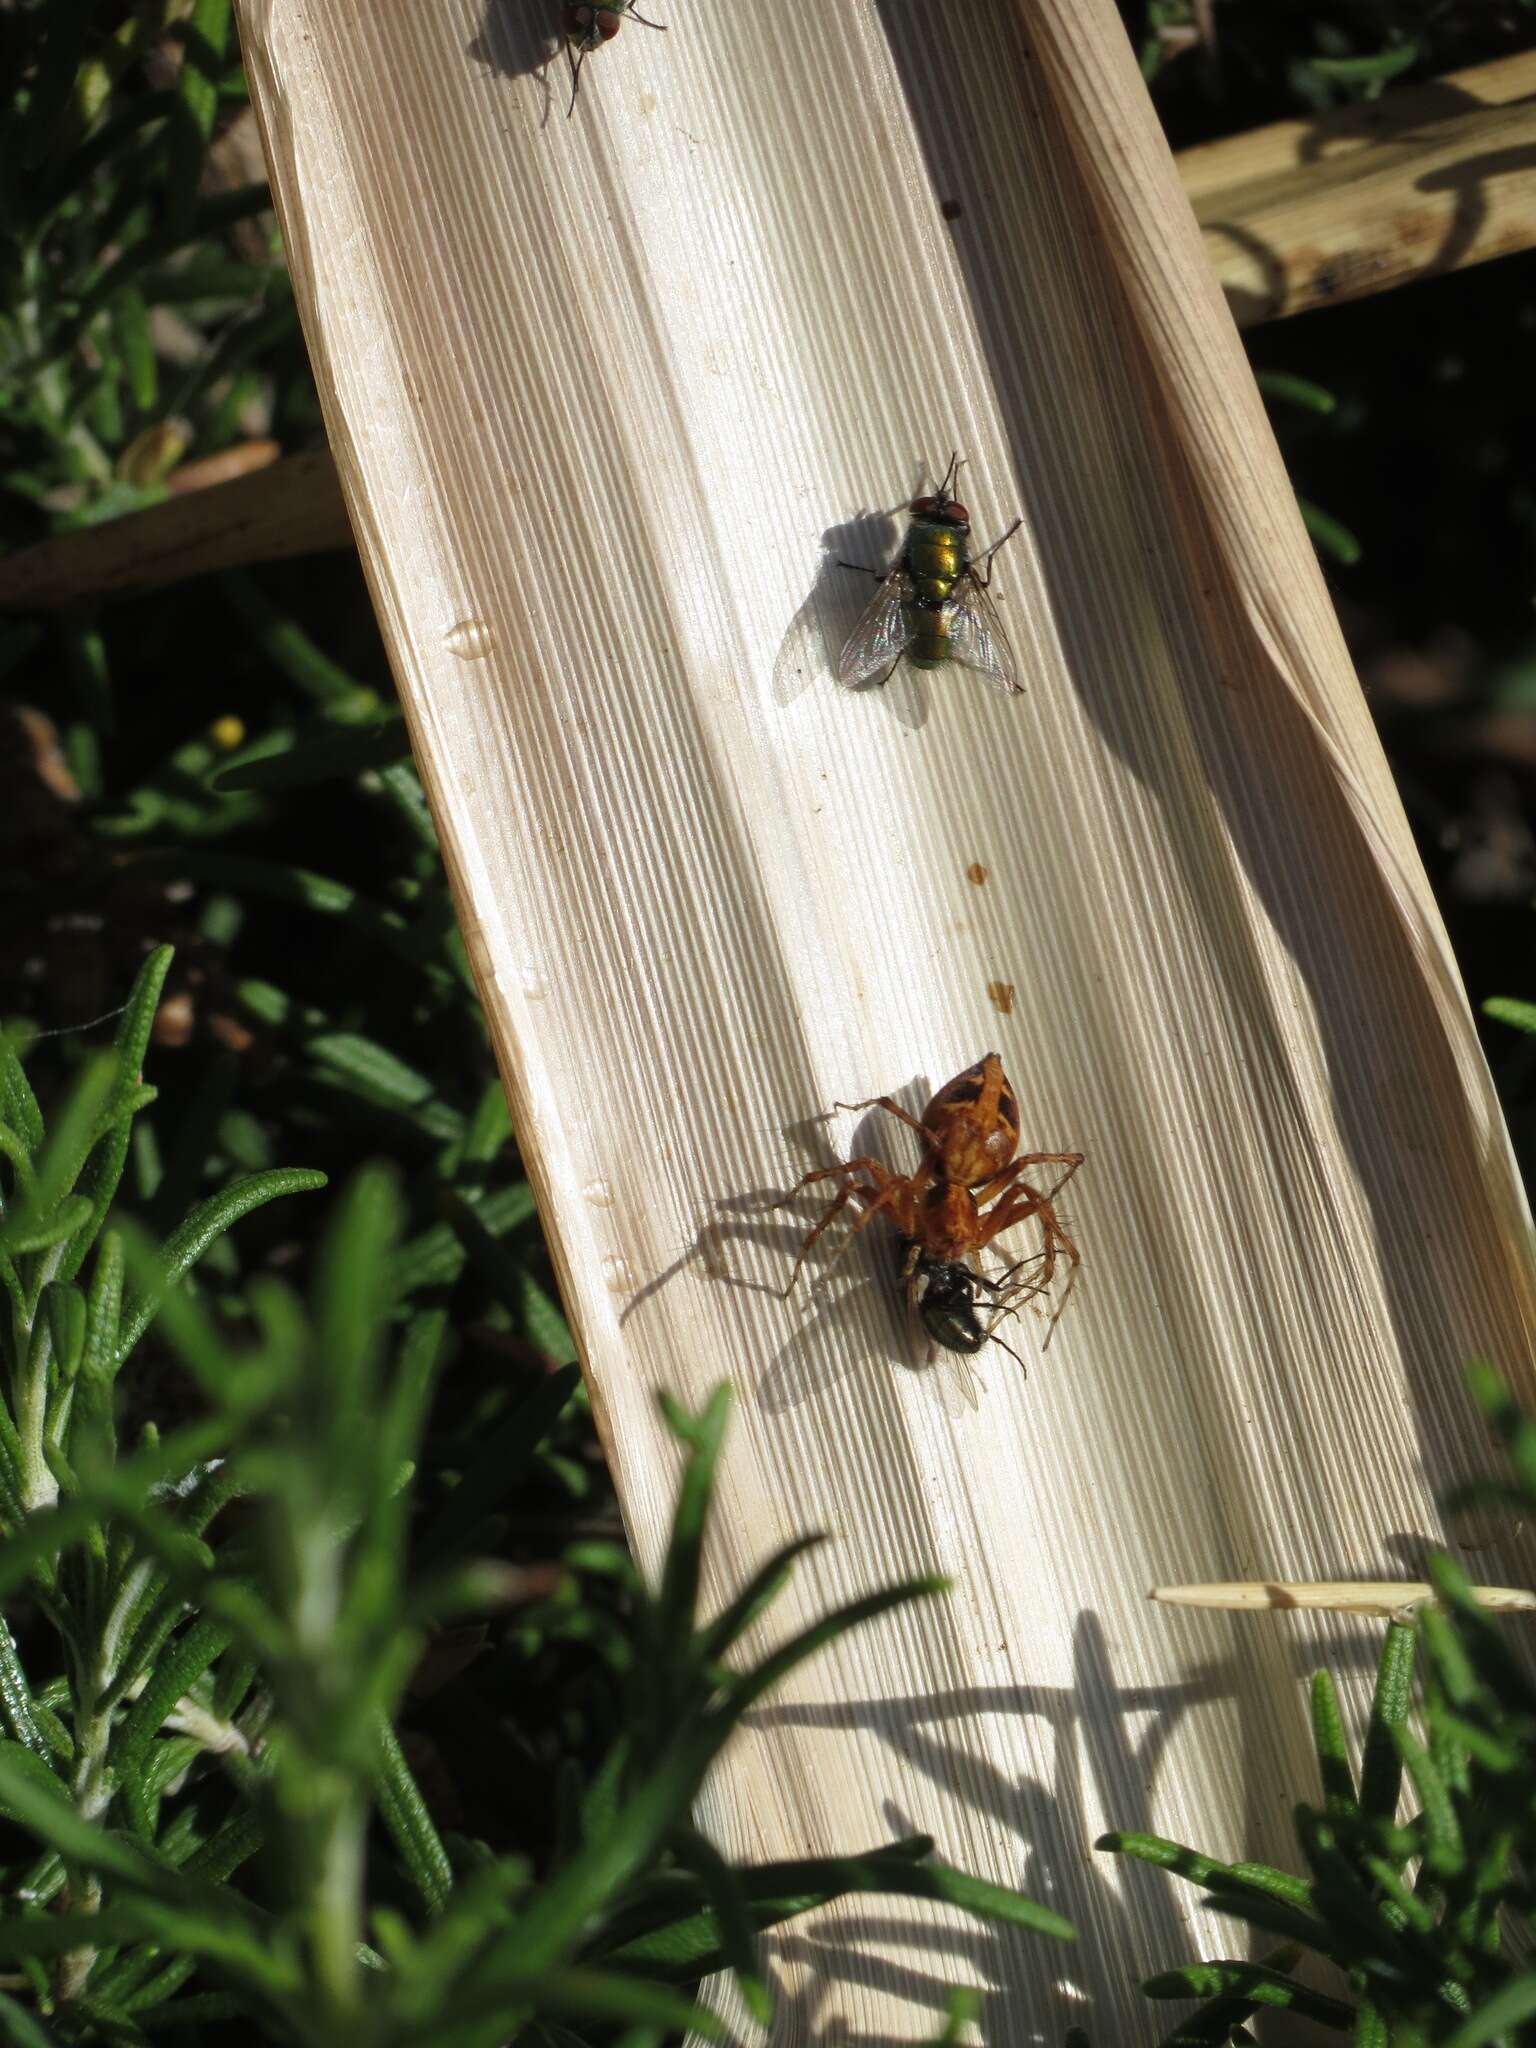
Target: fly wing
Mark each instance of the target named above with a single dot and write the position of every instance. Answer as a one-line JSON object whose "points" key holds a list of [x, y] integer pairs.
{"points": [[948, 1373], [877, 642], [976, 635], [956, 1384]]}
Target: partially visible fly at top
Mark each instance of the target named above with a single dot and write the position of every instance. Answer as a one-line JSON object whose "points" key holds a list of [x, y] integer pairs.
{"points": [[587, 28], [932, 605]]}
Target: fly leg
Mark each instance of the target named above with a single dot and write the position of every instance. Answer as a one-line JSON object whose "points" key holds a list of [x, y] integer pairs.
{"points": [[985, 561], [576, 59]]}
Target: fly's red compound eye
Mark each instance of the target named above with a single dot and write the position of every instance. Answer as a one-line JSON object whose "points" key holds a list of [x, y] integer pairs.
{"points": [[926, 508], [576, 21], [609, 21], [956, 513]]}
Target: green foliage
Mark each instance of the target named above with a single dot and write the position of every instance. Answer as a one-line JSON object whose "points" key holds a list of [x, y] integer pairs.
{"points": [[110, 239], [233, 1614], [1428, 1919]]}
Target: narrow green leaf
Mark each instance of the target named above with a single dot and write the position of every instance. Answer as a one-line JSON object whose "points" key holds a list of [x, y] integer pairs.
{"points": [[1329, 535], [478, 1908], [353, 1289], [1373, 70], [18, 2028], [437, 1257], [1510, 1010], [703, 1434], [728, 1904], [284, 644], [18, 1104], [1497, 2019], [26, 1232], [404, 1813], [1513, 1427], [375, 1072], [55, 1934], [208, 1222], [666, 1930], [1298, 391], [141, 1976], [16, 1696], [204, 2010], [1250, 1981], [542, 1323], [1332, 1750], [587, 1996], [1359, 1923], [66, 1313], [22, 1764], [31, 1794], [73, 1134], [104, 1169], [175, 1672], [976, 1895], [1371, 2027], [1381, 1772], [759, 1593], [204, 35], [1499, 1671], [1444, 1849], [554, 1919], [313, 756], [130, 321], [1257, 1879], [1446, 1655], [749, 1688], [103, 1311]]}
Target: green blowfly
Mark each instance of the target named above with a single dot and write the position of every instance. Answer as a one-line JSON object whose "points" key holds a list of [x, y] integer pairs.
{"points": [[932, 605]]}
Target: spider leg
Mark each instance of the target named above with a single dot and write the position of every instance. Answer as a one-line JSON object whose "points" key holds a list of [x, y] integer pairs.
{"points": [[878, 1172], [891, 1109], [985, 1190], [889, 1201], [1024, 1201], [886, 1192]]}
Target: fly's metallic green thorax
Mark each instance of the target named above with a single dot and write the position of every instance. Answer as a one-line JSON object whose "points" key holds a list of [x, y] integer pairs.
{"points": [[935, 557]]}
